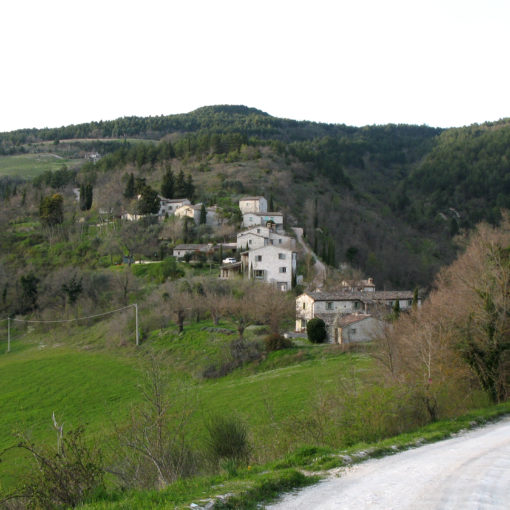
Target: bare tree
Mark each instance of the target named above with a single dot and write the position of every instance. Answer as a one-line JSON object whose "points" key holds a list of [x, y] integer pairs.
{"points": [[156, 444]]}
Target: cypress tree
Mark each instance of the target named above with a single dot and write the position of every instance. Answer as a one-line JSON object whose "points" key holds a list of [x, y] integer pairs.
{"points": [[129, 192], [203, 215], [168, 184]]}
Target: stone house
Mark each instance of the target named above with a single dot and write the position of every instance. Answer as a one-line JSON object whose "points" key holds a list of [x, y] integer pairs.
{"points": [[329, 306], [270, 264], [355, 327], [193, 212], [264, 219], [253, 204], [170, 205], [181, 250], [257, 237]]}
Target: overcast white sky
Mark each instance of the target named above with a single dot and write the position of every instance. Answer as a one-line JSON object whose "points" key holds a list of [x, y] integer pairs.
{"points": [[436, 62]]}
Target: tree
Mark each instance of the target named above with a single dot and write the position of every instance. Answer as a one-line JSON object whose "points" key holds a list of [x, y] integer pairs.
{"points": [[63, 477], [180, 185], [316, 330], [73, 288], [29, 293], [168, 183], [86, 197], [51, 210], [189, 188], [156, 443], [149, 201], [203, 215], [129, 191]]}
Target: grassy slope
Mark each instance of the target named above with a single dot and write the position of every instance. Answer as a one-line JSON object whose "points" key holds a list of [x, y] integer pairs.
{"points": [[73, 374], [31, 165]]}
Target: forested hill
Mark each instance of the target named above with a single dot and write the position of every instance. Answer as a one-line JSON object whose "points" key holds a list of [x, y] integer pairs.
{"points": [[387, 199], [246, 121]]}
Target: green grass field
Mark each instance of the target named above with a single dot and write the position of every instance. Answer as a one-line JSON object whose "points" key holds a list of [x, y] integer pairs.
{"points": [[76, 374], [29, 166]]}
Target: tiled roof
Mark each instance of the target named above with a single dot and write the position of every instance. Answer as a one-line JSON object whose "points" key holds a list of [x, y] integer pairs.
{"points": [[251, 198], [378, 295], [191, 247], [346, 320]]}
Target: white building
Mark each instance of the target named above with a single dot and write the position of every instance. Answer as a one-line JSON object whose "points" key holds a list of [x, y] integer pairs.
{"points": [[194, 211], [170, 205], [253, 204], [257, 219], [270, 264], [257, 237]]}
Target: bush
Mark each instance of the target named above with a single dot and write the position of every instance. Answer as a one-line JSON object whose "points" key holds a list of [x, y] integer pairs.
{"points": [[239, 352], [227, 441], [60, 478], [275, 342], [316, 331]]}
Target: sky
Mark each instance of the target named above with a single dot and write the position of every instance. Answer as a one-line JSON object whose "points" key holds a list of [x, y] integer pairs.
{"points": [[357, 62]]}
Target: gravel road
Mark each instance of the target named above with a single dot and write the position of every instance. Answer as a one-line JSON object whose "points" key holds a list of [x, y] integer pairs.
{"points": [[470, 471]]}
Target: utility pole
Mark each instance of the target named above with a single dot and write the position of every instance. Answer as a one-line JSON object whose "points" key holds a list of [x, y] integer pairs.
{"points": [[8, 334], [136, 325]]}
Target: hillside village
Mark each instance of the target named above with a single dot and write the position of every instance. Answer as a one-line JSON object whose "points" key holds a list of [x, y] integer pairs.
{"points": [[355, 312]]}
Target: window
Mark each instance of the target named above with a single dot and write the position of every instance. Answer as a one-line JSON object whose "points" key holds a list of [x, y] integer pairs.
{"points": [[304, 306], [258, 258], [353, 331], [329, 305], [271, 241], [279, 241], [356, 305], [259, 274], [283, 269], [409, 302], [249, 242], [258, 231], [281, 256]]}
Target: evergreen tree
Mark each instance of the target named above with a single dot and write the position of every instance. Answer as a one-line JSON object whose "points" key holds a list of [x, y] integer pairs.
{"points": [[168, 183], [203, 215], [129, 192], [271, 203], [88, 196], [180, 185], [149, 201], [189, 188], [396, 310]]}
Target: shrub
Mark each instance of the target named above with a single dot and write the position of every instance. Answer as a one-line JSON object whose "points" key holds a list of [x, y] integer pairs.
{"points": [[227, 441], [61, 478], [316, 331], [275, 342]]}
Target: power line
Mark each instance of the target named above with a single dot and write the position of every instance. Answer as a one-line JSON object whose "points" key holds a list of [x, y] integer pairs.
{"points": [[33, 321], [74, 320]]}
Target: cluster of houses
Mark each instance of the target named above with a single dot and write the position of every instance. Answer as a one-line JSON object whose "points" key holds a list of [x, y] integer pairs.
{"points": [[355, 313], [182, 208], [266, 253]]}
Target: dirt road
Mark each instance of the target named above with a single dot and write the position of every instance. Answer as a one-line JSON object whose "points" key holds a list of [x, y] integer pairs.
{"points": [[470, 471], [319, 268]]}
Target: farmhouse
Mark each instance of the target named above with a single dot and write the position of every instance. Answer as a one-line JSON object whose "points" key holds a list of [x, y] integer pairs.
{"points": [[330, 306], [181, 250], [170, 205], [265, 219], [253, 204], [355, 327], [257, 237], [270, 264]]}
